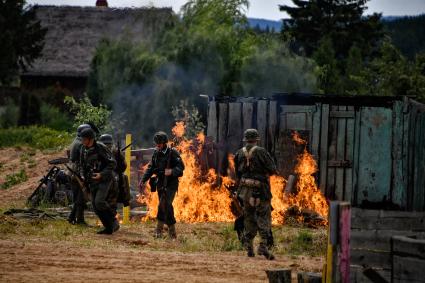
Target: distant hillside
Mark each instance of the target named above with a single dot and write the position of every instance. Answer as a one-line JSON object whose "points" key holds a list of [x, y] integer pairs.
{"points": [[264, 25], [407, 34]]}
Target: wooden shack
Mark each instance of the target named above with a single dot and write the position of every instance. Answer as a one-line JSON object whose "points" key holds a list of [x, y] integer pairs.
{"points": [[369, 150]]}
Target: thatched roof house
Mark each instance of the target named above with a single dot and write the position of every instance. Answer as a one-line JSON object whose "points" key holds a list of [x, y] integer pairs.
{"points": [[74, 32]]}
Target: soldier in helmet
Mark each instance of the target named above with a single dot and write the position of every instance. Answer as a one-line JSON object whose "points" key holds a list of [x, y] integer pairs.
{"points": [[78, 196], [168, 166], [253, 166], [97, 167], [123, 189]]}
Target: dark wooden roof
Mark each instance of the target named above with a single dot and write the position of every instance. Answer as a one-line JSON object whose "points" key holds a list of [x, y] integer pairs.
{"points": [[74, 32]]}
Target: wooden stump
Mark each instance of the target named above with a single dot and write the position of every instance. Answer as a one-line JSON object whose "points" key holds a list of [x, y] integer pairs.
{"points": [[309, 277], [279, 275]]}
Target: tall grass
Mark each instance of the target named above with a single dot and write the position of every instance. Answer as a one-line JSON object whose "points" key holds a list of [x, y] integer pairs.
{"points": [[34, 136]]}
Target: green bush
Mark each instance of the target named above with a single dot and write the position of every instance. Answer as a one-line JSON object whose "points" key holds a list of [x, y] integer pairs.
{"points": [[52, 117], [14, 179], [35, 137], [9, 114]]}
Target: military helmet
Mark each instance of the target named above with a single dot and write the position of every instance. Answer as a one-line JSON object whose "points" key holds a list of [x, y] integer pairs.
{"points": [[81, 128], [106, 139], [87, 133], [251, 135], [160, 137]]}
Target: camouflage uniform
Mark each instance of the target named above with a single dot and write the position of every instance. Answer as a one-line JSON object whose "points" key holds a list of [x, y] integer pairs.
{"points": [[166, 194], [253, 166], [98, 159]]}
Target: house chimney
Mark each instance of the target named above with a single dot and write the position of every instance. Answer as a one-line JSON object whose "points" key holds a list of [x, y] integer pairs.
{"points": [[101, 3]]}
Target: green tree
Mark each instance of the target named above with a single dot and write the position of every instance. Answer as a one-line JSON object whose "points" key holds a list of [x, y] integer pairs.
{"points": [[210, 50], [341, 21], [21, 38]]}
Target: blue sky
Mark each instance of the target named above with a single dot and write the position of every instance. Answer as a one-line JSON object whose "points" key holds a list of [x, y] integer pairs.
{"points": [[267, 9]]}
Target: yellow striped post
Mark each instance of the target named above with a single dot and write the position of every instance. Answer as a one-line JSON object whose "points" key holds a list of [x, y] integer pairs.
{"points": [[126, 210]]}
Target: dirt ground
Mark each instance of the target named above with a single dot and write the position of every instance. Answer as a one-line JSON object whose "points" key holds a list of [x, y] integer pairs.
{"points": [[32, 261], [43, 251], [35, 164]]}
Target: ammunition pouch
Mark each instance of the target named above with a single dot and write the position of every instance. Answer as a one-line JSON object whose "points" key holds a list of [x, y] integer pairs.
{"points": [[251, 183]]}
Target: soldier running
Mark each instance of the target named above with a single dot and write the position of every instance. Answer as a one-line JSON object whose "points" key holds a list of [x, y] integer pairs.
{"points": [[168, 166], [97, 166], [254, 166]]}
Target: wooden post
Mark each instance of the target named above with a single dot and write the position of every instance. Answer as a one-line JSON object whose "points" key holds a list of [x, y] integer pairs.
{"points": [[126, 210], [338, 254], [279, 275], [344, 241]]}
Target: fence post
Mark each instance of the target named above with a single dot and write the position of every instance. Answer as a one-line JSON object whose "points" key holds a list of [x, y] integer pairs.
{"points": [[338, 253], [126, 210]]}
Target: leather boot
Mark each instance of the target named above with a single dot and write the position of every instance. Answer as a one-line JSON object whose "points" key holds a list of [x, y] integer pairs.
{"points": [[249, 248], [172, 232], [262, 250], [158, 230], [80, 215]]}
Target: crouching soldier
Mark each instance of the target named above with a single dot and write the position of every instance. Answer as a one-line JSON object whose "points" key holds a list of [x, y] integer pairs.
{"points": [[253, 166], [168, 166], [97, 165]]}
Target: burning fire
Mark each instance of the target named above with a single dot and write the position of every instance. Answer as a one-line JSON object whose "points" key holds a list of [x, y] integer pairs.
{"points": [[204, 197]]}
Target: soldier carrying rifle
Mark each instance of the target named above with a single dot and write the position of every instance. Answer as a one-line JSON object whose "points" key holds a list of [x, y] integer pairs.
{"points": [[253, 166], [168, 166], [97, 167]]}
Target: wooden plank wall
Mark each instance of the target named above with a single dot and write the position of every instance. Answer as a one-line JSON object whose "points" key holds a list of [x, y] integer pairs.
{"points": [[371, 232], [234, 129], [419, 162], [408, 259], [235, 117], [398, 192], [262, 119]]}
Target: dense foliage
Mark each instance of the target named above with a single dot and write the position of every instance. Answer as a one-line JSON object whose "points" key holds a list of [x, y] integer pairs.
{"points": [[407, 34], [208, 50], [354, 55], [21, 38]]}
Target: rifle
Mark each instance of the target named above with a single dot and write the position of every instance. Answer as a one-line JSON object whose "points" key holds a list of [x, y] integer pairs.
{"points": [[238, 210]]}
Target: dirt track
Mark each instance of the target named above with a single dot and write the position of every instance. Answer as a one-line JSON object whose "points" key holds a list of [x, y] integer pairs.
{"points": [[23, 261], [125, 256]]}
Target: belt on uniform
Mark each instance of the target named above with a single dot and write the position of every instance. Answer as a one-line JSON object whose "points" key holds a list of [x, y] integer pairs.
{"points": [[251, 182]]}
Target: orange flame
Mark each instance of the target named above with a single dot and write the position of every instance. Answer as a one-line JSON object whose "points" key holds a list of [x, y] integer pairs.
{"points": [[298, 139], [203, 196], [179, 129]]}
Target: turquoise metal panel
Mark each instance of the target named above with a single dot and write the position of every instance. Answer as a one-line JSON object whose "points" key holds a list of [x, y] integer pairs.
{"points": [[374, 176]]}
